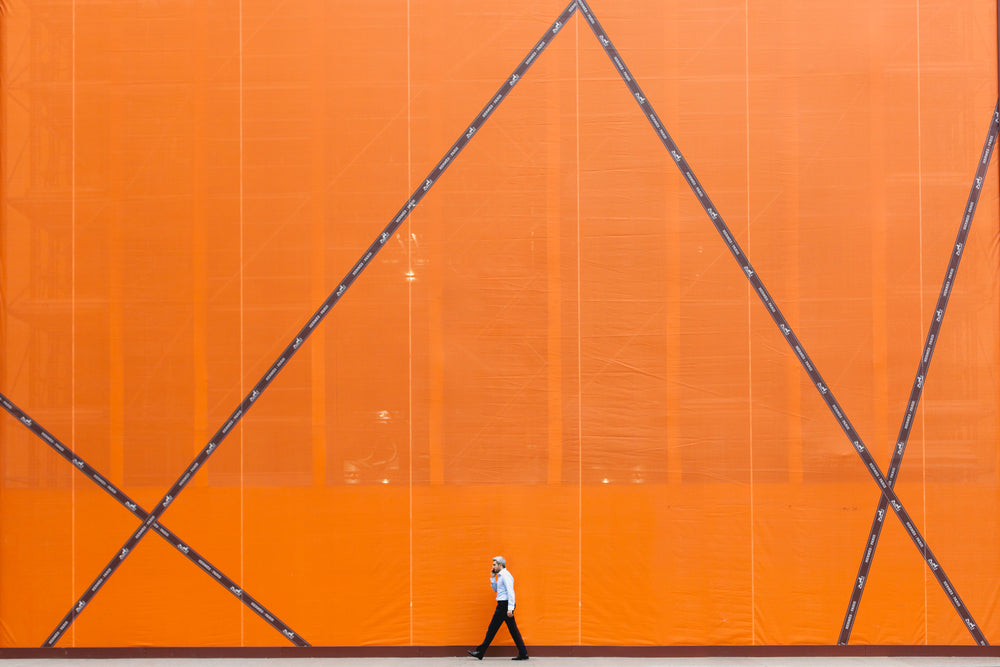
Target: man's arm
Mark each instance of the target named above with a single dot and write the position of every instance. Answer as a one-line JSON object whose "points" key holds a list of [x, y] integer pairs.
{"points": [[509, 583]]}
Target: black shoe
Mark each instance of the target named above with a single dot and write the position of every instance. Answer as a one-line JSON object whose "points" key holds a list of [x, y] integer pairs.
{"points": [[475, 654], [520, 657]]}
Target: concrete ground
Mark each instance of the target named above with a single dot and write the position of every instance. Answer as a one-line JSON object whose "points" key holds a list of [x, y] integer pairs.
{"points": [[882, 661]]}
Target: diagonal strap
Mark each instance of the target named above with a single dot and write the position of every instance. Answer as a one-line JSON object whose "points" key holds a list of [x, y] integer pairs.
{"points": [[782, 323], [308, 329]]}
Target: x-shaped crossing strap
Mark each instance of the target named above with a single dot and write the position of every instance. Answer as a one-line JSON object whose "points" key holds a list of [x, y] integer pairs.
{"points": [[918, 382], [348, 280], [782, 323], [90, 473]]}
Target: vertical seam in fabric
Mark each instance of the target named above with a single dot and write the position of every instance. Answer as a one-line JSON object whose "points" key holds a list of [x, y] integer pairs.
{"points": [[579, 358], [242, 351], [72, 325], [409, 303], [920, 245], [753, 582]]}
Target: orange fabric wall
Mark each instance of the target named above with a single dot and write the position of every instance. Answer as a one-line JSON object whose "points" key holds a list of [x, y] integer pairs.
{"points": [[555, 359]]}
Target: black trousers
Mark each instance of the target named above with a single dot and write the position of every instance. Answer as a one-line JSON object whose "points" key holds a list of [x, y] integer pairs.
{"points": [[499, 618]]}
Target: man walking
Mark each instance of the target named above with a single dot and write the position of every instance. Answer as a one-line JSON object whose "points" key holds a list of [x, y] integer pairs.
{"points": [[502, 582]]}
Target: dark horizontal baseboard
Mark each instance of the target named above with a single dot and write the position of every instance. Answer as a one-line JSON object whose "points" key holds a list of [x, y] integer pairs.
{"points": [[114, 652]]}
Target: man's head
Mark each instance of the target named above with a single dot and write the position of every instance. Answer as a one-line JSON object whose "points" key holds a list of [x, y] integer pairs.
{"points": [[499, 563]]}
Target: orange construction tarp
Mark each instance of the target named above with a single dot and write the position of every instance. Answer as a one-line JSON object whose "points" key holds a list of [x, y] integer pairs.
{"points": [[555, 358]]}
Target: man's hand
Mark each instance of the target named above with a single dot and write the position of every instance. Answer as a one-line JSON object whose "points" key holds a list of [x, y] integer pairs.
{"points": [[511, 613]]}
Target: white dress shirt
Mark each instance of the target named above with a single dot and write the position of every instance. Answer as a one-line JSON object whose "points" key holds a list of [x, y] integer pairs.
{"points": [[504, 586]]}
